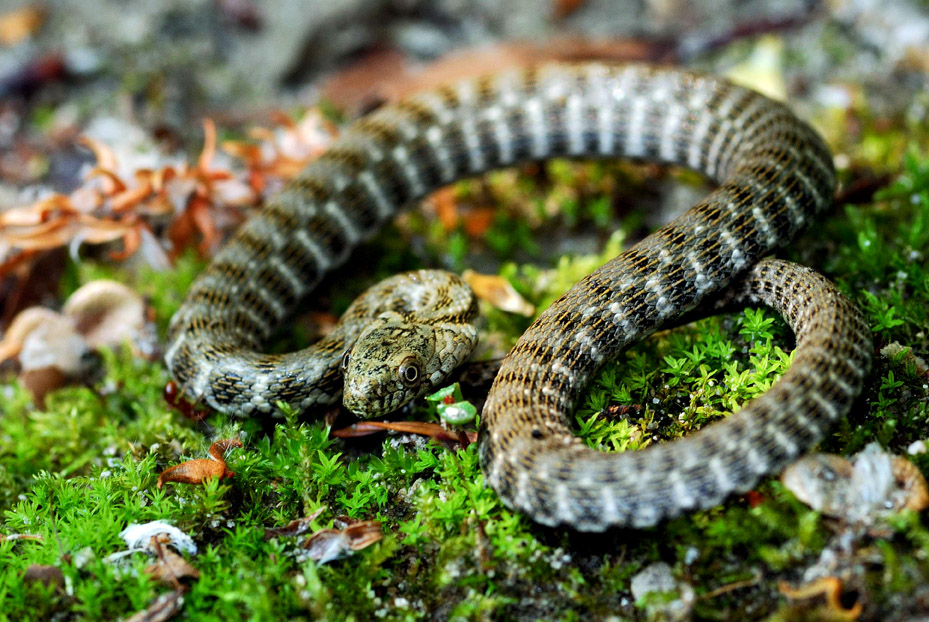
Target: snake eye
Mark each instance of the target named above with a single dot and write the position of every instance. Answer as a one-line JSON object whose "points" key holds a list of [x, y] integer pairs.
{"points": [[409, 371], [345, 359]]}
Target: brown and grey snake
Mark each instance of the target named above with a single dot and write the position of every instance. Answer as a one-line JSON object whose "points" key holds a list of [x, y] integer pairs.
{"points": [[774, 177]]}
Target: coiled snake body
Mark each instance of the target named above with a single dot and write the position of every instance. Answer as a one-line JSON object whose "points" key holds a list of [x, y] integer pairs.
{"points": [[774, 175]]}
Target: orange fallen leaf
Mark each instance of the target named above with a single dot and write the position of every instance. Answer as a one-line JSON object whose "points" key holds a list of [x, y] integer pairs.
{"points": [[283, 152], [446, 208], [478, 220], [831, 587], [170, 567], [200, 470], [499, 292]]}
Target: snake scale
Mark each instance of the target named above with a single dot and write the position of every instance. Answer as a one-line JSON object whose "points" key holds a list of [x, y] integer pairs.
{"points": [[774, 176]]}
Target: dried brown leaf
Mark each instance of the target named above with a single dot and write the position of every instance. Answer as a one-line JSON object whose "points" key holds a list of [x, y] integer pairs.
{"points": [[295, 527], [161, 609], [198, 471], [831, 587], [478, 220], [170, 568], [106, 158], [499, 292], [110, 207], [194, 472], [363, 534], [328, 545], [432, 430], [286, 151], [36, 213]]}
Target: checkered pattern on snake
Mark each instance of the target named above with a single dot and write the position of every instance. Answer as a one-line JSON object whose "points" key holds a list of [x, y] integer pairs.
{"points": [[774, 177]]}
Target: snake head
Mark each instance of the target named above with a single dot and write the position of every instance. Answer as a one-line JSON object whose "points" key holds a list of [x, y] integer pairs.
{"points": [[388, 366]]}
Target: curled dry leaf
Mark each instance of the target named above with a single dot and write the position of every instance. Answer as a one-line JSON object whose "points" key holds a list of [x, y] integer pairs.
{"points": [[296, 527], [445, 206], [872, 485], [198, 471], [163, 542], [831, 587], [432, 430], [328, 545], [475, 220], [110, 206], [161, 609], [55, 222], [170, 568], [499, 292], [280, 154], [200, 201]]}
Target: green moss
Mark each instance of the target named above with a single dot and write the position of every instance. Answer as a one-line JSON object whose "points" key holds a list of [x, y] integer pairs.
{"points": [[82, 469]]}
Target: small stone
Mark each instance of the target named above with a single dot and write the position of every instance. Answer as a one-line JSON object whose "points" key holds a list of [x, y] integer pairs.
{"points": [[656, 577]]}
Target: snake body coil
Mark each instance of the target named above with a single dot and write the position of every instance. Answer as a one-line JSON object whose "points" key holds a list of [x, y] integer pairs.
{"points": [[774, 175]]}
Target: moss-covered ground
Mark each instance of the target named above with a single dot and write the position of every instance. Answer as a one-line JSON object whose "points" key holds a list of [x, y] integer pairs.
{"points": [[82, 469]]}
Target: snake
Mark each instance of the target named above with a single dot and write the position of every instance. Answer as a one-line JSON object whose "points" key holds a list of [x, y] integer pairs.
{"points": [[773, 176]]}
